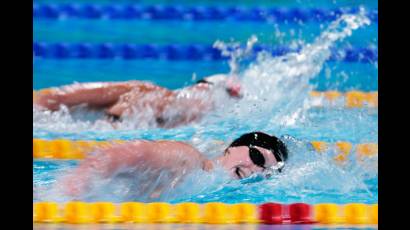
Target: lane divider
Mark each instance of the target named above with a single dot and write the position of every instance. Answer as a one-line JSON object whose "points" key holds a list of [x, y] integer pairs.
{"points": [[351, 99], [67, 149], [78, 149], [169, 12], [77, 212], [343, 149], [176, 51]]}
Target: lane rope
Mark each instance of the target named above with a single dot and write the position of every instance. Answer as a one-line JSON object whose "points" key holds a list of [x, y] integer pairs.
{"points": [[78, 149], [131, 51], [190, 13], [350, 99], [77, 212]]}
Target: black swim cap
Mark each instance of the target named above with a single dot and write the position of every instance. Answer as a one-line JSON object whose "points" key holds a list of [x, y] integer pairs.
{"points": [[204, 81], [263, 140]]}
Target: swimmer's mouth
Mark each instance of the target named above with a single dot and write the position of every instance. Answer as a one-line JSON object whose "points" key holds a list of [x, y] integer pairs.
{"points": [[238, 173], [234, 93]]}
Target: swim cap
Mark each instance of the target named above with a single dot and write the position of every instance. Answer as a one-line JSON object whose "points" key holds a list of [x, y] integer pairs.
{"points": [[217, 79], [263, 140]]}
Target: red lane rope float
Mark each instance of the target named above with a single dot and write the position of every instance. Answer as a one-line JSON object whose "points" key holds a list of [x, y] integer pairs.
{"points": [[77, 212]]}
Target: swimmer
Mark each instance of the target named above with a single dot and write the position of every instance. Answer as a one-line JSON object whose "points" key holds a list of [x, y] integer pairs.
{"points": [[169, 108], [251, 153]]}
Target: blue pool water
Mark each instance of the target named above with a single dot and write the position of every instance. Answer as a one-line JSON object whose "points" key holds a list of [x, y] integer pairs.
{"points": [[117, 31], [282, 106], [176, 74]]}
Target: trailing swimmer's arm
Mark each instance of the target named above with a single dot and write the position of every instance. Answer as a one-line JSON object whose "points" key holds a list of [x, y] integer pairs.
{"points": [[147, 96], [188, 105], [92, 94]]}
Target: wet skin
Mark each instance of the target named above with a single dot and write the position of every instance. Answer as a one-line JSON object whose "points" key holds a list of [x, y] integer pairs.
{"points": [[176, 158], [125, 98]]}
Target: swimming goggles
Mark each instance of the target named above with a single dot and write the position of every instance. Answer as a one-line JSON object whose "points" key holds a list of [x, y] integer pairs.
{"points": [[258, 159]]}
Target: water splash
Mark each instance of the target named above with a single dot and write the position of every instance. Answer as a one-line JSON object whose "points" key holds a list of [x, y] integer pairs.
{"points": [[276, 88], [235, 52], [276, 96], [279, 86]]}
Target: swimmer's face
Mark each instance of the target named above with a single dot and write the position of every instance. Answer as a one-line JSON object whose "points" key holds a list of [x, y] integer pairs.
{"points": [[240, 164], [230, 84], [233, 87]]}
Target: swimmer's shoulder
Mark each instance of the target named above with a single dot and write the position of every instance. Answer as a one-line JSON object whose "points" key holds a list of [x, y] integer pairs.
{"points": [[168, 146], [175, 145], [142, 84], [161, 144]]}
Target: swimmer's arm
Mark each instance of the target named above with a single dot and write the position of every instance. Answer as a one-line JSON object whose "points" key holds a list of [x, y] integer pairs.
{"points": [[103, 163], [92, 94], [206, 165], [149, 96], [106, 162], [185, 159], [180, 165]]}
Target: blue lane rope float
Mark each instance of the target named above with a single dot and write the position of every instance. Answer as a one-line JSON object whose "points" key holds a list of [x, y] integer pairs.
{"points": [[176, 51], [170, 12]]}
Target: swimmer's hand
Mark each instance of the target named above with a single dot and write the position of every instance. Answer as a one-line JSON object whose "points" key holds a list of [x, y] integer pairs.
{"points": [[47, 99]]}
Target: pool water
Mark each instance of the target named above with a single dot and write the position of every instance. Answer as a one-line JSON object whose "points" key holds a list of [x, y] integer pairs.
{"points": [[276, 101], [115, 31]]}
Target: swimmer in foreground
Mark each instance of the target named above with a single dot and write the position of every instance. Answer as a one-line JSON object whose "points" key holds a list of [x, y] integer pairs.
{"points": [[167, 108], [251, 153]]}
